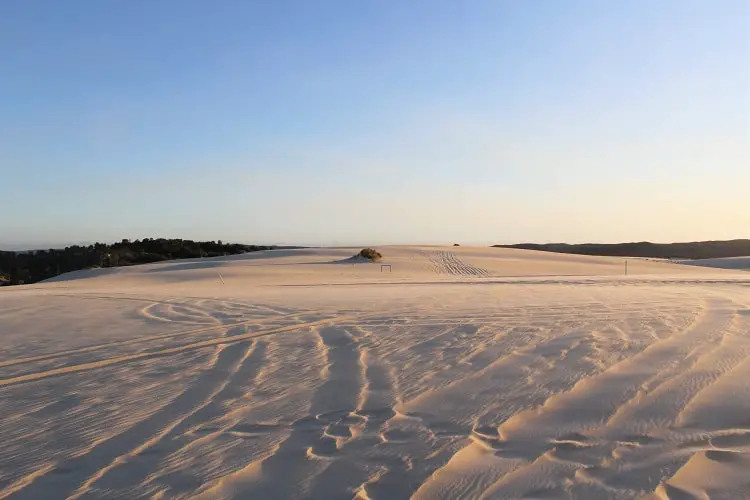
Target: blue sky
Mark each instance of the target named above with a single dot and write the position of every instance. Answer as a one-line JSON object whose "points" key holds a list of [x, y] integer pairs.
{"points": [[338, 122]]}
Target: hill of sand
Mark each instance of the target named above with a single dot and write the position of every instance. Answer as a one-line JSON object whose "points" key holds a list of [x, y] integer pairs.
{"points": [[456, 373]]}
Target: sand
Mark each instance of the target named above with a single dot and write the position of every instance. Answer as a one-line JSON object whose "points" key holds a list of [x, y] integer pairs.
{"points": [[462, 373]]}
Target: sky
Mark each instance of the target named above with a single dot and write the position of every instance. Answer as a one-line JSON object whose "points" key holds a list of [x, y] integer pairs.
{"points": [[340, 122]]}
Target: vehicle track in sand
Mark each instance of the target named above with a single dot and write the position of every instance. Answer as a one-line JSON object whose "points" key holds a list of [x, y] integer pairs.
{"points": [[101, 363], [140, 340], [199, 402], [610, 421], [449, 263], [519, 396]]}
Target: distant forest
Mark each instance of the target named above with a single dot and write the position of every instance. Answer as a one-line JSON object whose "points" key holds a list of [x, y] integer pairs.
{"points": [[37, 265], [692, 250]]}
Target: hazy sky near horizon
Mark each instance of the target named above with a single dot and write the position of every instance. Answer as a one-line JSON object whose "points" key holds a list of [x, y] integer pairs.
{"points": [[339, 122]]}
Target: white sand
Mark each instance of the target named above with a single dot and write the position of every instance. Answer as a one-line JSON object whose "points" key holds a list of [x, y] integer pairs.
{"points": [[464, 373]]}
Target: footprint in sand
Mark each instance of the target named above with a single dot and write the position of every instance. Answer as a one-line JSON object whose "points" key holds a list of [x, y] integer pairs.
{"points": [[325, 447], [338, 430]]}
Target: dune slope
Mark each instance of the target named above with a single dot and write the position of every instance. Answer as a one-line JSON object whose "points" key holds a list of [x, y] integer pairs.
{"points": [[457, 373]]}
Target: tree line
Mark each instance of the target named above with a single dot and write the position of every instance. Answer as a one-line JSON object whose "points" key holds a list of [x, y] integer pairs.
{"points": [[691, 250], [37, 265]]}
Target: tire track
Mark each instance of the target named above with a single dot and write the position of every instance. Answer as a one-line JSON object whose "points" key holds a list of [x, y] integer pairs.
{"points": [[139, 340], [546, 440], [75, 476], [313, 442], [595, 399], [449, 263], [558, 426], [665, 400], [472, 467], [216, 311], [93, 365], [124, 470]]}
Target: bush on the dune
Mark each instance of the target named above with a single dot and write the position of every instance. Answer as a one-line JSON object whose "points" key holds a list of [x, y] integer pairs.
{"points": [[370, 253]]}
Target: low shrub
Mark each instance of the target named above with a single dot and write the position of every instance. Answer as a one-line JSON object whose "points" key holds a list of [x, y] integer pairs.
{"points": [[370, 253]]}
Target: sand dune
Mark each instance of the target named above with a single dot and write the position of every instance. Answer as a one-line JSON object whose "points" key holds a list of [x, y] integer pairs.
{"points": [[461, 373]]}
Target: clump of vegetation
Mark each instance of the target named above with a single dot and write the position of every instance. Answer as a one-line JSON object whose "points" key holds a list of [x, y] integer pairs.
{"points": [[456, 245], [370, 254]]}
